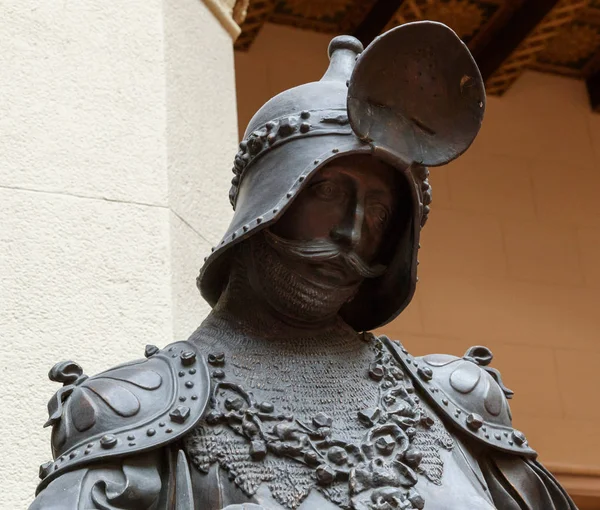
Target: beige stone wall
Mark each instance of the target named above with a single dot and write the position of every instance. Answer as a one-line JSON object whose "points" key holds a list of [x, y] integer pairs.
{"points": [[511, 253], [117, 130]]}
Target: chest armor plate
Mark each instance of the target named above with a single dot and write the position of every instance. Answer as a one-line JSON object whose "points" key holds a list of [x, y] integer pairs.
{"points": [[296, 417]]}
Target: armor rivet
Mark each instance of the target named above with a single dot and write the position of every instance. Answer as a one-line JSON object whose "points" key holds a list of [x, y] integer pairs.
{"points": [[182, 399], [131, 444], [289, 195], [205, 259], [108, 441], [347, 83], [130, 437], [301, 178], [194, 397], [212, 249], [317, 161], [245, 228], [181, 373], [426, 373], [87, 452], [233, 236], [304, 127], [376, 372], [497, 436], [188, 358], [218, 374], [266, 407], [519, 437], [216, 359], [161, 424], [173, 355], [259, 220], [180, 414], [275, 211], [192, 371], [305, 114], [189, 384], [150, 350], [45, 469], [487, 436], [168, 431], [90, 445], [150, 432], [335, 151], [270, 125], [445, 401], [72, 455], [474, 421]]}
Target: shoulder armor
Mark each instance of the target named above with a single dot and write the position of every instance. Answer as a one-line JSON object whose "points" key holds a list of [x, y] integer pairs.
{"points": [[132, 408], [468, 393]]}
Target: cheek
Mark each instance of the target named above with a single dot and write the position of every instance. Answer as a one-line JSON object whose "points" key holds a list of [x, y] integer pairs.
{"points": [[369, 245]]}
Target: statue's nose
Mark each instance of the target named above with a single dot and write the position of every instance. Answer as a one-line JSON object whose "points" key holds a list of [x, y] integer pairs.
{"points": [[348, 231]]}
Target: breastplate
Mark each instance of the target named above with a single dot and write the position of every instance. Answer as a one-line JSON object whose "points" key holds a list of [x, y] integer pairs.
{"points": [[340, 417]]}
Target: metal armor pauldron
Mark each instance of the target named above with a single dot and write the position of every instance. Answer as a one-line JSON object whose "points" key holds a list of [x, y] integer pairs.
{"points": [[135, 407], [469, 393]]}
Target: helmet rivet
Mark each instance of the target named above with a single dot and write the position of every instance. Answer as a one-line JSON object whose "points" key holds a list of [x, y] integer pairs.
{"points": [[317, 161], [289, 195], [301, 178], [245, 228], [259, 219], [275, 211], [304, 127], [305, 114], [336, 150]]}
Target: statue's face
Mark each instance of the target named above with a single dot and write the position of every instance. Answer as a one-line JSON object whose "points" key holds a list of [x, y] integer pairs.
{"points": [[348, 203], [314, 259]]}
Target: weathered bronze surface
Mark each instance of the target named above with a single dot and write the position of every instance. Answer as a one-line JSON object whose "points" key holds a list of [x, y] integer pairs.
{"points": [[282, 399]]}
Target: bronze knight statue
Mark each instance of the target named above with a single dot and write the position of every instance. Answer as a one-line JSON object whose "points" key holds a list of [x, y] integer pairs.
{"points": [[282, 399]]}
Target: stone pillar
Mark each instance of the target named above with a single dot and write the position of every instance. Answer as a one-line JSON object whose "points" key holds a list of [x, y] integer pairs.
{"points": [[117, 130]]}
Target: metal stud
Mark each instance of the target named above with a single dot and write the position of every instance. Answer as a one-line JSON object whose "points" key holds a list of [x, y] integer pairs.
{"points": [[108, 441], [150, 432], [474, 421], [188, 358]]}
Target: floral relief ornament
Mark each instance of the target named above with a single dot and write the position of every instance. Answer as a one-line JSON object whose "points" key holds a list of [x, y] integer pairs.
{"points": [[380, 472]]}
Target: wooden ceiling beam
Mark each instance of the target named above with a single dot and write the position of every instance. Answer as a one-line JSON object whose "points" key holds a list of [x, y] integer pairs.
{"points": [[523, 21], [376, 20]]}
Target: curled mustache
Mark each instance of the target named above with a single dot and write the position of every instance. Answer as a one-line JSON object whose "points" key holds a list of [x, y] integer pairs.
{"points": [[318, 250]]}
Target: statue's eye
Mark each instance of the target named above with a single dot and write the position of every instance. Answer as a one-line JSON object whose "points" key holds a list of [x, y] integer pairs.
{"points": [[326, 190], [379, 215]]}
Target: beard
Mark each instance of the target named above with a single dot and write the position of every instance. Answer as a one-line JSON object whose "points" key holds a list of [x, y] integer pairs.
{"points": [[283, 273]]}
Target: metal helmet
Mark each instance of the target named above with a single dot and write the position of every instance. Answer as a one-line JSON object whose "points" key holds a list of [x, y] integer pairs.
{"points": [[414, 98]]}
